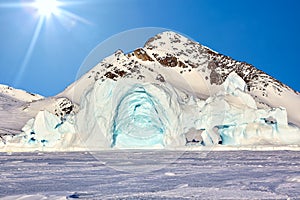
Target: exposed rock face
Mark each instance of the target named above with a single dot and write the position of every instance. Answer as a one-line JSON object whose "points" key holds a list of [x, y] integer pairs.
{"points": [[191, 60]]}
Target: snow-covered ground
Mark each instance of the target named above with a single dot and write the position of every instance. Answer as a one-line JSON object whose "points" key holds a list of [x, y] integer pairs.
{"points": [[160, 175]]}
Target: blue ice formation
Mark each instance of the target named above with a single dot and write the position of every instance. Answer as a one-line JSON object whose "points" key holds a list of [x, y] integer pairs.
{"points": [[132, 114], [137, 121]]}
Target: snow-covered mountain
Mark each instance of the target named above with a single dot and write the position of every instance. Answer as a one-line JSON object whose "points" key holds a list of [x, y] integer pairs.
{"points": [[10, 99], [18, 106], [172, 92]]}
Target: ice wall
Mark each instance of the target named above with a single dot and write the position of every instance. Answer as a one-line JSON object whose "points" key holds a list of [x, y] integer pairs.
{"points": [[132, 114]]}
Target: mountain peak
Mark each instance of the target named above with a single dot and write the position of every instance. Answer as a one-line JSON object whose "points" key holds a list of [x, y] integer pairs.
{"points": [[168, 40], [202, 69]]}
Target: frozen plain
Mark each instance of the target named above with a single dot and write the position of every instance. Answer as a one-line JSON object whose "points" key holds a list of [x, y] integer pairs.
{"points": [[151, 174]]}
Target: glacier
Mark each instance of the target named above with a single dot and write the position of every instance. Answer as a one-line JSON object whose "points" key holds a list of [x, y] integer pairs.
{"points": [[133, 114]]}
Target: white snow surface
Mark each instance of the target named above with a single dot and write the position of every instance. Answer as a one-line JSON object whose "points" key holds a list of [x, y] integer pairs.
{"points": [[18, 94], [192, 175], [144, 100]]}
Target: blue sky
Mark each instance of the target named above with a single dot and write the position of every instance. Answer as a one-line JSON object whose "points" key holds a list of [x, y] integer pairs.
{"points": [[264, 33]]}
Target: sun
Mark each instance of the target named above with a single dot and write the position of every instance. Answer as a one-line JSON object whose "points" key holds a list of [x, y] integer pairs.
{"points": [[46, 7], [43, 11]]}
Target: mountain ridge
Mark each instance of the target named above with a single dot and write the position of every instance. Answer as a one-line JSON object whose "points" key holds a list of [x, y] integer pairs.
{"points": [[185, 56]]}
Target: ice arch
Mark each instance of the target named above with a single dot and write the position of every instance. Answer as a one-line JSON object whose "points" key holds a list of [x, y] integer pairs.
{"points": [[137, 122], [128, 114]]}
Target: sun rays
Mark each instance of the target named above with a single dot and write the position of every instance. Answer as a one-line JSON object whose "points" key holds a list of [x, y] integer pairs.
{"points": [[43, 11]]}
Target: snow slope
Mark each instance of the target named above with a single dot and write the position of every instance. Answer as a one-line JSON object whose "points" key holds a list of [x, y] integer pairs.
{"points": [[7, 92], [171, 93], [10, 99]]}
